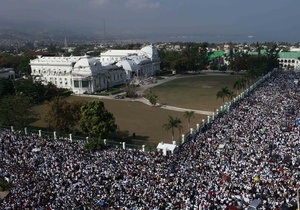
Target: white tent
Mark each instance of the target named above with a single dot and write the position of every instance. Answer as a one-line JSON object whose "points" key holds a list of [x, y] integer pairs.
{"points": [[166, 147]]}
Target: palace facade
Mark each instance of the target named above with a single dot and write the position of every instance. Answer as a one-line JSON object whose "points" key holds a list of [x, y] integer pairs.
{"points": [[142, 63], [86, 74], [80, 74]]}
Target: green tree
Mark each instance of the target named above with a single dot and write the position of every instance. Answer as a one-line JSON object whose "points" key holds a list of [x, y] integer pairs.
{"points": [[225, 93], [197, 53], [240, 61], [63, 115], [167, 58], [6, 87], [240, 84], [152, 97], [202, 58], [34, 90], [131, 91], [23, 67], [173, 122], [272, 55], [257, 64], [96, 120], [184, 64], [94, 144], [6, 60], [188, 115], [15, 110]]}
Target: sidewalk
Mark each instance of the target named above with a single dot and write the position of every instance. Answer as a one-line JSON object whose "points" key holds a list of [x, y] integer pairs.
{"points": [[178, 109]]}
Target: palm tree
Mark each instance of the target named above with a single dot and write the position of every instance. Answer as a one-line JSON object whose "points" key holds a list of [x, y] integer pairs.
{"points": [[188, 115], [240, 84], [173, 122], [225, 93]]}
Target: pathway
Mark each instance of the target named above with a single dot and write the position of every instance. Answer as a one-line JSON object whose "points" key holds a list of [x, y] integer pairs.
{"points": [[143, 88]]}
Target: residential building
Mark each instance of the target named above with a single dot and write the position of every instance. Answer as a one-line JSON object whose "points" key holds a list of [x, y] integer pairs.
{"points": [[289, 60]]}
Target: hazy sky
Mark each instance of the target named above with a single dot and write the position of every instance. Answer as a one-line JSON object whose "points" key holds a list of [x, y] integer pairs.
{"points": [[272, 19]]}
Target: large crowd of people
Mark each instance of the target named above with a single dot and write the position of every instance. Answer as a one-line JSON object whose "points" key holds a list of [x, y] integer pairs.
{"points": [[250, 152]]}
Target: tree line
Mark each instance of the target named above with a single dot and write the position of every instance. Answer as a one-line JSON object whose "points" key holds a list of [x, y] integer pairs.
{"points": [[195, 57], [17, 97], [91, 118]]}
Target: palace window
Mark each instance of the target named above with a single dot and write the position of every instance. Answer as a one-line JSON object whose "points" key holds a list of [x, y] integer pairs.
{"points": [[85, 83], [76, 83]]}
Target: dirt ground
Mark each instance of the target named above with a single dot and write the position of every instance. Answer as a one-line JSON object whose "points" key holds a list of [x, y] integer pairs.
{"points": [[147, 121]]}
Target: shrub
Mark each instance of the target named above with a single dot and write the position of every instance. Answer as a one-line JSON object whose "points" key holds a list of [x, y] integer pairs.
{"points": [[4, 185]]}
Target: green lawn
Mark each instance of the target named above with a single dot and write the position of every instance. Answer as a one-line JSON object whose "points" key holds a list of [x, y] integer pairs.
{"points": [[197, 92], [146, 122]]}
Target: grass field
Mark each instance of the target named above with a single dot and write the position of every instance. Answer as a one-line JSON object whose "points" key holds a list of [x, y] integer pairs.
{"points": [[197, 92], [146, 122]]}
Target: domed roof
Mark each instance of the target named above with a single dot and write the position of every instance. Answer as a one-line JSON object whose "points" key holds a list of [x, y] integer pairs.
{"points": [[150, 50], [128, 65], [141, 60], [86, 61]]}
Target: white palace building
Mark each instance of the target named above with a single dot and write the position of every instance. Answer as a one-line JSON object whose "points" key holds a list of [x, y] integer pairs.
{"points": [[85, 74], [142, 63]]}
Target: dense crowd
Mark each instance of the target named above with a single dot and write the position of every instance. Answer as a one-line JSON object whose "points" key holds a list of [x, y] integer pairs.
{"points": [[250, 152]]}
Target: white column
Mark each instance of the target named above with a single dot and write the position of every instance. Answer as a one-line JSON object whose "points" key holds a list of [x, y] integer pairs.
{"points": [[208, 119], [54, 135], [143, 148], [213, 116], [182, 138], [191, 130], [25, 131], [40, 133], [124, 145], [70, 137], [203, 121], [164, 152], [12, 128], [198, 127], [104, 141], [92, 85]]}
